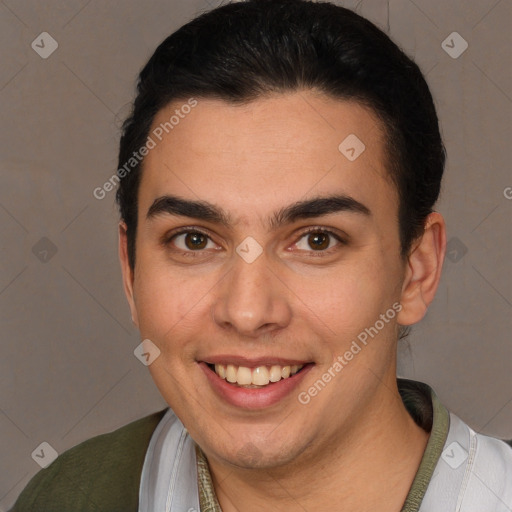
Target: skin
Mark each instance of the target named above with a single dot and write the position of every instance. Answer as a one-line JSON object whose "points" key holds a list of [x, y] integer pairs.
{"points": [[354, 444]]}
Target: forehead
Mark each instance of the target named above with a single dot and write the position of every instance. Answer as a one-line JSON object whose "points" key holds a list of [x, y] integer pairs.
{"points": [[266, 153]]}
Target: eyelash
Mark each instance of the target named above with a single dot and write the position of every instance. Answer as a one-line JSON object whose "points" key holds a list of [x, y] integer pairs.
{"points": [[317, 229]]}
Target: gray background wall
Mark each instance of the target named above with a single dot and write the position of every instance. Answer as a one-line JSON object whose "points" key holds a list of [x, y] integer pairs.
{"points": [[67, 369]]}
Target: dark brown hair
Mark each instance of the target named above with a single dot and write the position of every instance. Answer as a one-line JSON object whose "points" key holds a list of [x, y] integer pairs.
{"points": [[243, 51]]}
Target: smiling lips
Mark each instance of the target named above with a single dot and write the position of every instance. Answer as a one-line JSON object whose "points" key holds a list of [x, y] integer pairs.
{"points": [[259, 376], [254, 383]]}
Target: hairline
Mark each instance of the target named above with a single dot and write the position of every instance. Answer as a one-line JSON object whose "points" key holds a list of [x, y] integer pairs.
{"points": [[384, 124]]}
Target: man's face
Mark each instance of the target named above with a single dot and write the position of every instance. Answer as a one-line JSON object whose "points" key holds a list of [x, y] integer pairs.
{"points": [[259, 291]]}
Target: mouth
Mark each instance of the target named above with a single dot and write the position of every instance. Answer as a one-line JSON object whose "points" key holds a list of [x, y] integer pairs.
{"points": [[256, 377], [254, 384]]}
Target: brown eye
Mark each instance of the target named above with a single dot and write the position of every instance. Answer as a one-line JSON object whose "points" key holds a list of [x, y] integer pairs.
{"points": [[318, 241], [195, 241], [189, 241]]}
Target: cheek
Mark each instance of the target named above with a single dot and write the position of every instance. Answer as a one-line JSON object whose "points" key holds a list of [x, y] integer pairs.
{"points": [[344, 302], [168, 302], [337, 303]]}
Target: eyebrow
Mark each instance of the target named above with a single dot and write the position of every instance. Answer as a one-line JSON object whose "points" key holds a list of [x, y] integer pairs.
{"points": [[310, 208]]}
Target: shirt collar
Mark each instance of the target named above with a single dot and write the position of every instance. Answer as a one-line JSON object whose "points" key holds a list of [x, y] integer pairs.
{"points": [[176, 476], [424, 407]]}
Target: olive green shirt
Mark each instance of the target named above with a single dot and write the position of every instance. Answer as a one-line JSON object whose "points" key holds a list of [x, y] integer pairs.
{"points": [[103, 473]]}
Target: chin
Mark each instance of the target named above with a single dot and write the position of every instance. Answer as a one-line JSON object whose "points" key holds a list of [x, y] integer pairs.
{"points": [[264, 454]]}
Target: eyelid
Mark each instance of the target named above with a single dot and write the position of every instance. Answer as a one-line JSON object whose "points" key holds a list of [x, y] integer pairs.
{"points": [[314, 229]]}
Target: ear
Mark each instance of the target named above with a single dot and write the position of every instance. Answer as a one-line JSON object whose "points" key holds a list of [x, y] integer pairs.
{"points": [[128, 272], [423, 272]]}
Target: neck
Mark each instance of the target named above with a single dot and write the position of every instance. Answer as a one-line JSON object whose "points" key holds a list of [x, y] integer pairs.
{"points": [[369, 466]]}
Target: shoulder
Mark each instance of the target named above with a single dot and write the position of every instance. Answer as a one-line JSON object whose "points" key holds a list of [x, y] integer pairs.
{"points": [[102, 473], [474, 473], [490, 470]]}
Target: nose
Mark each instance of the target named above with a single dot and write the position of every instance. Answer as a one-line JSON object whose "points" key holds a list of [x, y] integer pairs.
{"points": [[251, 300]]}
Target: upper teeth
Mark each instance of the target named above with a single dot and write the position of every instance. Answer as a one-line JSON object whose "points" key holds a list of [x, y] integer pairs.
{"points": [[259, 376]]}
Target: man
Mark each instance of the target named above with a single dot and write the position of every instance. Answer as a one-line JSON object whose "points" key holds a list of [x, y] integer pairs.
{"points": [[277, 181]]}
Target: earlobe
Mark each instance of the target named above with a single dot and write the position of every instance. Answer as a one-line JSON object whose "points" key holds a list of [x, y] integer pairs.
{"points": [[423, 272], [127, 271]]}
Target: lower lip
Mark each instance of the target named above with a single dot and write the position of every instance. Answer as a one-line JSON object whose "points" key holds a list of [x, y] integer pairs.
{"points": [[254, 398]]}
